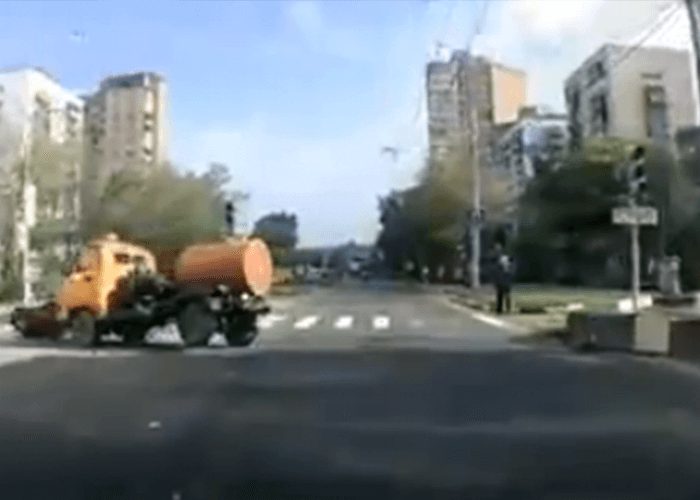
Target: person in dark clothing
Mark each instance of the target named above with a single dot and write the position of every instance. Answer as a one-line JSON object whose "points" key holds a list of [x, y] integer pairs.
{"points": [[503, 280]]}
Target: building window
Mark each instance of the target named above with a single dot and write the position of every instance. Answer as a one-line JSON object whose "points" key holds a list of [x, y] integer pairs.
{"points": [[599, 114], [438, 133], [595, 73], [656, 113]]}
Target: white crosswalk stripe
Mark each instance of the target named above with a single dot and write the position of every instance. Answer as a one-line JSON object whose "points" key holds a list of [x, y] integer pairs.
{"points": [[270, 320], [343, 323], [381, 322], [377, 322], [306, 322]]}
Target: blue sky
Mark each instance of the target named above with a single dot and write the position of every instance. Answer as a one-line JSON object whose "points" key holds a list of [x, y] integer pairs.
{"points": [[297, 97]]}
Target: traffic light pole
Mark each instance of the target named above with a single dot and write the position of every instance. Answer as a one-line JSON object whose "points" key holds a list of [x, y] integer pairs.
{"points": [[230, 217], [634, 253], [634, 216]]}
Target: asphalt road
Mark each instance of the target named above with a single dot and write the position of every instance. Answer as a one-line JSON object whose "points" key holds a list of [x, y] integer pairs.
{"points": [[429, 403]]}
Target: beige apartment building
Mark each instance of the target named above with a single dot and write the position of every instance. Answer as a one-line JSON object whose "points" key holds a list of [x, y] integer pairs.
{"points": [[641, 94], [126, 124], [497, 91]]}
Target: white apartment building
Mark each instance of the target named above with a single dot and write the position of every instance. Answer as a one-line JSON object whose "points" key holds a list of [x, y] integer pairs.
{"points": [[640, 94], [538, 140], [34, 108], [36, 114], [127, 123]]}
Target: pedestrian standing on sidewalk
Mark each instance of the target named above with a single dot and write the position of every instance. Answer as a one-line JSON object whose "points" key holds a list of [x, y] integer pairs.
{"points": [[503, 280]]}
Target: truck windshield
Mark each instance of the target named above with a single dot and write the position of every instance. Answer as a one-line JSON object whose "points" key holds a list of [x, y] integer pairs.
{"points": [[89, 259]]}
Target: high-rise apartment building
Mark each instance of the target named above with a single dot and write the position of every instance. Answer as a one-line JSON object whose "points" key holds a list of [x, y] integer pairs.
{"points": [[634, 93], [496, 93], [126, 124]]}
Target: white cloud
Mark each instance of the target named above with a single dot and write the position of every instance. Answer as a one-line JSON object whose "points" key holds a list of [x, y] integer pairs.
{"points": [[550, 38], [306, 18], [308, 22], [552, 21], [332, 184]]}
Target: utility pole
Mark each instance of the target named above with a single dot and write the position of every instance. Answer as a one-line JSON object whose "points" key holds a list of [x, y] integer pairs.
{"points": [[25, 218], [634, 216], [475, 218], [693, 8], [634, 253]]}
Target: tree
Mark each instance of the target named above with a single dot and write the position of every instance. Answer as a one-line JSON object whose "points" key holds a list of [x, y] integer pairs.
{"points": [[278, 229], [9, 163], [565, 228], [425, 224], [53, 167], [163, 209]]}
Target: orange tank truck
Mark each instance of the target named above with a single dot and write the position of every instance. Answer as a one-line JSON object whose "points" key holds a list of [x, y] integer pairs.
{"points": [[245, 266], [117, 287]]}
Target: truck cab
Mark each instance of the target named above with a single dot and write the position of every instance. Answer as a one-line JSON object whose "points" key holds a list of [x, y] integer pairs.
{"points": [[97, 281]]}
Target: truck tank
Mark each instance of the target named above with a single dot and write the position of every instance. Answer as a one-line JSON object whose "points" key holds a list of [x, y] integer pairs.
{"points": [[244, 265]]}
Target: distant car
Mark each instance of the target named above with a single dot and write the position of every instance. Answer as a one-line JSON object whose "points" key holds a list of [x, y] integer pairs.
{"points": [[313, 274], [318, 274], [355, 266]]}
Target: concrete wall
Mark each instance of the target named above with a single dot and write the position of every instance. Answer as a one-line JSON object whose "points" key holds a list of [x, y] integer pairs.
{"points": [[669, 68], [162, 131], [443, 122], [627, 73], [20, 90], [509, 93], [128, 119]]}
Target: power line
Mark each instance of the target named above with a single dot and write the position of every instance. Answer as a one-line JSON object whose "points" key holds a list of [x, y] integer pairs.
{"points": [[446, 27], [479, 24], [660, 23]]}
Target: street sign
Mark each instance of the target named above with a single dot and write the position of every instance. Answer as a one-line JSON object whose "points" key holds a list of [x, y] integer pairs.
{"points": [[631, 216], [29, 200]]}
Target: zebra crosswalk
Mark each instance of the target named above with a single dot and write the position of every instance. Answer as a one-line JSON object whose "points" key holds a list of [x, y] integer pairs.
{"points": [[306, 322]]}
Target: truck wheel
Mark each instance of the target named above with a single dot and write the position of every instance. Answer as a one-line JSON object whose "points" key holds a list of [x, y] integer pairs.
{"points": [[196, 324], [82, 327], [242, 330], [134, 336]]}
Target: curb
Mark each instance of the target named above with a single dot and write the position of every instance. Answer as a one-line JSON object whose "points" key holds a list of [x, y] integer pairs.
{"points": [[492, 320]]}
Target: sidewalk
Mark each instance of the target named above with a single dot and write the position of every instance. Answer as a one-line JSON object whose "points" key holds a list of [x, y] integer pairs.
{"points": [[538, 310], [6, 308]]}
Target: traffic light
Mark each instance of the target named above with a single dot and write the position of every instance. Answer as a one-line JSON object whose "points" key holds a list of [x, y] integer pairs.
{"points": [[636, 173], [229, 215]]}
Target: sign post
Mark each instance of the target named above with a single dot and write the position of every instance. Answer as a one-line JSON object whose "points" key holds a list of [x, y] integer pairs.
{"points": [[635, 216]]}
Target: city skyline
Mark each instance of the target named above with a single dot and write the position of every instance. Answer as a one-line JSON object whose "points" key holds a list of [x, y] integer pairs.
{"points": [[294, 97]]}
